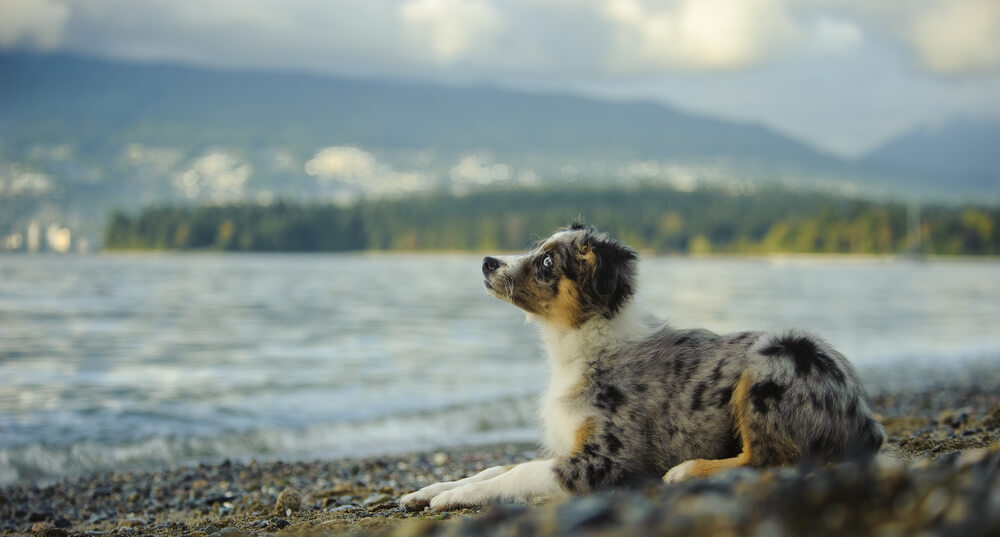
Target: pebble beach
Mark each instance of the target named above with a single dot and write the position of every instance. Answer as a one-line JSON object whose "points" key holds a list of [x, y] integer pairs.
{"points": [[939, 474]]}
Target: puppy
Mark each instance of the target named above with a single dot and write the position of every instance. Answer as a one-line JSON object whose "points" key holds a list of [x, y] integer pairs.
{"points": [[630, 397]]}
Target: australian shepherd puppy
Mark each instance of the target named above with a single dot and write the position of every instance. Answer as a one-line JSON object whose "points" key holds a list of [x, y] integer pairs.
{"points": [[630, 397]]}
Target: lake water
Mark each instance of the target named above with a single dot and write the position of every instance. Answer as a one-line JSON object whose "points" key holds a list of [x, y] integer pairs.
{"points": [[134, 361]]}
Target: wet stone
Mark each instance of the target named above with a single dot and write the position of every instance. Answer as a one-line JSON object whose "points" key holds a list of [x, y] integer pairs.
{"points": [[131, 523], [38, 526], [51, 532], [97, 517], [586, 512], [377, 499], [289, 501]]}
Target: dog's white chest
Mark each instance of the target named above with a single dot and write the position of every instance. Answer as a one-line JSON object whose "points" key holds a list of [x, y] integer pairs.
{"points": [[563, 409], [562, 412], [562, 419]]}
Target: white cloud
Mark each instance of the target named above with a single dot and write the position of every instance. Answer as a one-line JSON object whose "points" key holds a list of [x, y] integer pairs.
{"points": [[704, 55], [508, 39], [38, 23], [836, 36], [17, 180], [360, 169], [697, 34], [450, 28], [341, 161], [958, 36], [478, 170], [218, 175]]}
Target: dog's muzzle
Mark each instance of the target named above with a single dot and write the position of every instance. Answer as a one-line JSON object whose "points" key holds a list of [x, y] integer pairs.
{"points": [[495, 280]]}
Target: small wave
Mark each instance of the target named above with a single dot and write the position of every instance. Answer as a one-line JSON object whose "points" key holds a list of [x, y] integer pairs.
{"points": [[480, 423]]}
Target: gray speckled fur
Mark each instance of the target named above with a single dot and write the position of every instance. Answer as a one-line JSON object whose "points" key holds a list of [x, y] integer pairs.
{"points": [[669, 399]]}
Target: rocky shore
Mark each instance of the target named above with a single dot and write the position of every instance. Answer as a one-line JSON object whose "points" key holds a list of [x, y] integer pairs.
{"points": [[939, 474]]}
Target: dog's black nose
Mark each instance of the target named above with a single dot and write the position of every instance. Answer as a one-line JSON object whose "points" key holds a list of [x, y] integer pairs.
{"points": [[490, 264]]}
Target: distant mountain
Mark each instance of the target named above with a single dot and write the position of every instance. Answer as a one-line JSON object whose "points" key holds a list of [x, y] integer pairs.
{"points": [[97, 103], [962, 152]]}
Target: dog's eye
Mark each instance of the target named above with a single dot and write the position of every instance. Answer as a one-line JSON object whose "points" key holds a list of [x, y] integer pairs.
{"points": [[547, 262]]}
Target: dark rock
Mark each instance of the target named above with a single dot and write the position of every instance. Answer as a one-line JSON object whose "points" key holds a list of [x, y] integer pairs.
{"points": [[62, 523], [586, 513], [51, 532], [37, 516], [101, 491], [280, 523], [218, 498]]}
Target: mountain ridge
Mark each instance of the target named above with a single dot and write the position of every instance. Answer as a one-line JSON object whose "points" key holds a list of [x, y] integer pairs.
{"points": [[962, 149], [394, 115]]}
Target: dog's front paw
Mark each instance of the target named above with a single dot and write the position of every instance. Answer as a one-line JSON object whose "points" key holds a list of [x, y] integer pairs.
{"points": [[679, 473], [415, 501], [465, 496]]}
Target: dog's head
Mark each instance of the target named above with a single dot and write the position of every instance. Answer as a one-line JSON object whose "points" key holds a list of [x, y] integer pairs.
{"points": [[571, 277]]}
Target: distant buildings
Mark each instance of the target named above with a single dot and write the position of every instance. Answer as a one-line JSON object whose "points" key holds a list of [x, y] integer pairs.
{"points": [[56, 239]]}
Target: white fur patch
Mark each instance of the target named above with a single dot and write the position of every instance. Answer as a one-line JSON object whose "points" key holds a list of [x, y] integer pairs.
{"points": [[529, 481], [416, 501], [679, 473]]}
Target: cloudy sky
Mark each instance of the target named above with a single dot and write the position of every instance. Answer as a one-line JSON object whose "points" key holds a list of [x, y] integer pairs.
{"points": [[843, 75]]}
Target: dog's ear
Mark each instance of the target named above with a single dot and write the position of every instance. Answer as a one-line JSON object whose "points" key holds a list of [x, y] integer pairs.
{"points": [[613, 271]]}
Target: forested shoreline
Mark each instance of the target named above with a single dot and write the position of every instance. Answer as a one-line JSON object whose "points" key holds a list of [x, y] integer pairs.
{"points": [[652, 218]]}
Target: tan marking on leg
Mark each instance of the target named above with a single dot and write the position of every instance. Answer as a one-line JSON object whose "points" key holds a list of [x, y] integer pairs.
{"points": [[583, 433], [782, 449], [707, 467], [740, 405]]}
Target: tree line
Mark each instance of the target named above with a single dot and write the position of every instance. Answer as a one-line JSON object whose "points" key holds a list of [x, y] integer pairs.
{"points": [[652, 218]]}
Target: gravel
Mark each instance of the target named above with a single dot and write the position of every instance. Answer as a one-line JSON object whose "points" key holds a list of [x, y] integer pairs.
{"points": [[939, 474]]}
